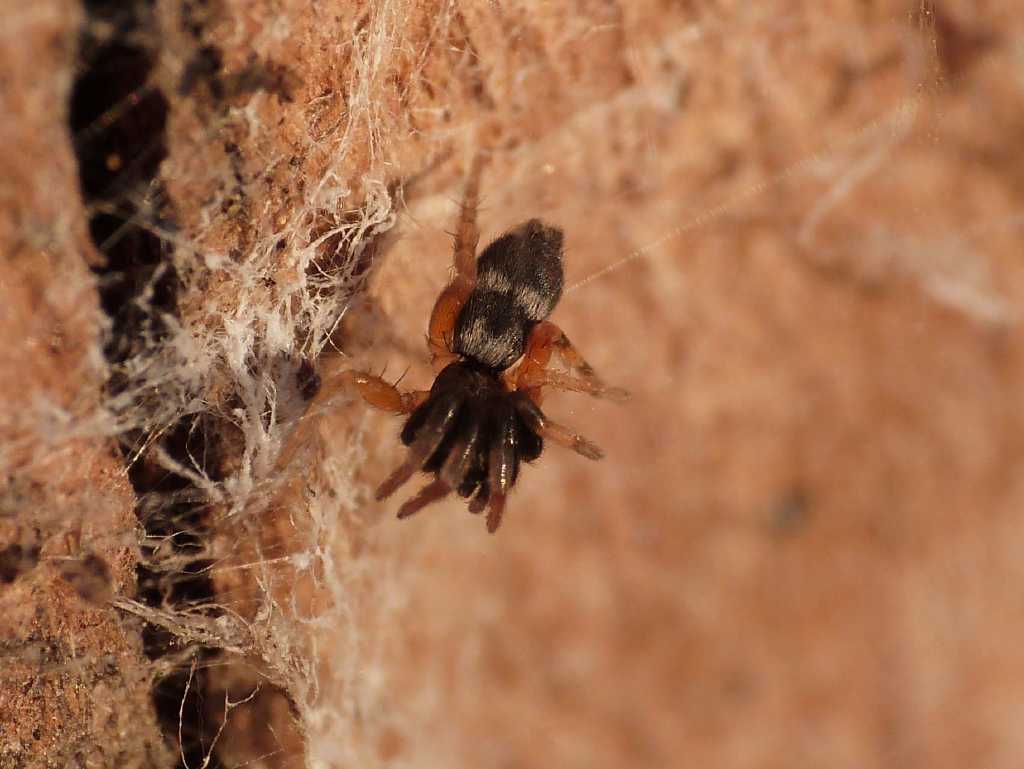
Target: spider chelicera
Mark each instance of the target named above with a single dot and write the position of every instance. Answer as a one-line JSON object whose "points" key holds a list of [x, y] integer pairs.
{"points": [[482, 416]]}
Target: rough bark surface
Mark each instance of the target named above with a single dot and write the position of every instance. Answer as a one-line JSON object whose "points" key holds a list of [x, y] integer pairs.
{"points": [[75, 686], [793, 230]]}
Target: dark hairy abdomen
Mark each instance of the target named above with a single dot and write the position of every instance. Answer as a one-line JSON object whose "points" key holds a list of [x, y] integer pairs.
{"points": [[519, 282]]}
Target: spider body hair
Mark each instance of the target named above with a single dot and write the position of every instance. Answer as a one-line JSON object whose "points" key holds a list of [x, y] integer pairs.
{"points": [[481, 418], [519, 281], [472, 432]]}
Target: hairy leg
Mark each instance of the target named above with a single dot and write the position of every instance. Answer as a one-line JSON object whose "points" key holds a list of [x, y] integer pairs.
{"points": [[441, 329], [467, 235], [533, 373], [563, 436], [479, 502], [552, 431], [372, 389], [502, 470], [432, 492], [430, 436], [495, 509], [381, 394], [560, 381]]}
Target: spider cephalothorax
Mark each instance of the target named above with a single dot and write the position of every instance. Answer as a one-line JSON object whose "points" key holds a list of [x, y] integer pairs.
{"points": [[491, 341]]}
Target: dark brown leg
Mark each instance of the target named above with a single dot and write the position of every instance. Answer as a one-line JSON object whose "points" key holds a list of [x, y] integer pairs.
{"points": [[426, 443], [479, 502], [503, 467], [432, 492], [495, 509]]}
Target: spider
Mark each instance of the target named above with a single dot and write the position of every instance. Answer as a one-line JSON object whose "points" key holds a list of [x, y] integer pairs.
{"points": [[482, 416]]}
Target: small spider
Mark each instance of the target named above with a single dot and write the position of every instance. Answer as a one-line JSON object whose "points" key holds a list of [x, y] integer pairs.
{"points": [[482, 415]]}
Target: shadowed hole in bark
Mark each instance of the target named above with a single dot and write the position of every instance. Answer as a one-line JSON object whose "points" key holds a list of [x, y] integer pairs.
{"points": [[118, 121]]}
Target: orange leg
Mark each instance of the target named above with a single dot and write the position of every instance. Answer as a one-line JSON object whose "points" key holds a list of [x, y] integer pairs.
{"points": [[381, 394], [467, 235], [563, 436], [560, 434], [441, 331], [533, 373], [372, 389]]}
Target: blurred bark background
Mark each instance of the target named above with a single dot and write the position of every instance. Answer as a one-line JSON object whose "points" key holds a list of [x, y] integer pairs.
{"points": [[794, 230]]}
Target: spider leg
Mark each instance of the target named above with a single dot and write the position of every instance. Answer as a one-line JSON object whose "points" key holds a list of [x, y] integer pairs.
{"points": [[441, 329], [553, 431], [381, 394], [495, 509], [467, 235], [433, 491], [560, 381], [533, 374], [576, 362], [503, 466], [461, 456], [479, 502], [429, 438], [502, 470], [563, 436]]}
